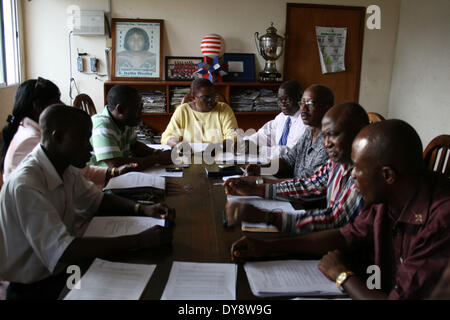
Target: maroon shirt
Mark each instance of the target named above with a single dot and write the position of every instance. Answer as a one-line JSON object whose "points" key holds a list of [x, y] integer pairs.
{"points": [[413, 250]]}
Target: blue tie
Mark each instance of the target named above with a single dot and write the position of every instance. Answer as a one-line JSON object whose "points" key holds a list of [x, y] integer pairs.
{"points": [[284, 136]]}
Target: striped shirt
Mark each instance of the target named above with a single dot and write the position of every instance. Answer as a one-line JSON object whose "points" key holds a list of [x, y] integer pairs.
{"points": [[108, 140], [334, 180]]}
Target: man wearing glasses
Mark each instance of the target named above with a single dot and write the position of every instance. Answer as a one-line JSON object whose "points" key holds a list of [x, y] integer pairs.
{"points": [[308, 154], [281, 134]]}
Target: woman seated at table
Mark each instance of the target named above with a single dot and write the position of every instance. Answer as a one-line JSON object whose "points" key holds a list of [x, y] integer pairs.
{"points": [[201, 120]]}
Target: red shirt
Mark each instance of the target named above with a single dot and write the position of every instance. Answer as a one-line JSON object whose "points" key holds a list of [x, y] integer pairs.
{"points": [[413, 250]]}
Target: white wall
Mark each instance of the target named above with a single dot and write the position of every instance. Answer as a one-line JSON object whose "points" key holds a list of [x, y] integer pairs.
{"points": [[420, 91], [186, 22]]}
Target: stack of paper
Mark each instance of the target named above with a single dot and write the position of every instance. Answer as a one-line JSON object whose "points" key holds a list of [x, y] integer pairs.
{"points": [[107, 227], [266, 205], [229, 157], [162, 147], [136, 180], [106, 280], [201, 281], [288, 278], [154, 102]]}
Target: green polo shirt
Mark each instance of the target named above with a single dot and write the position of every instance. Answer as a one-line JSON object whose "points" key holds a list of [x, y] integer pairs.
{"points": [[108, 140]]}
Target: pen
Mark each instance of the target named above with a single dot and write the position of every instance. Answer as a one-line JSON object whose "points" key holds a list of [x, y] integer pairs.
{"points": [[224, 219], [145, 202]]}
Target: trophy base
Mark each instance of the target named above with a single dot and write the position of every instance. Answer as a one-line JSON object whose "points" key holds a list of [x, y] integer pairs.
{"points": [[269, 77]]}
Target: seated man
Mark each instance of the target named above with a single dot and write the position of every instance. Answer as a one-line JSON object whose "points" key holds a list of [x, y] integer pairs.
{"points": [[39, 204], [340, 125], [113, 136], [282, 133], [404, 229], [308, 154]]}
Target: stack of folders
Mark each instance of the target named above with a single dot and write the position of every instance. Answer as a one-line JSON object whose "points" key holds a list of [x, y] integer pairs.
{"points": [[289, 278]]}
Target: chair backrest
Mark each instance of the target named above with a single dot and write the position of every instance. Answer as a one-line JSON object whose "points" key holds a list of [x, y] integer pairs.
{"points": [[437, 154], [85, 103], [375, 117]]}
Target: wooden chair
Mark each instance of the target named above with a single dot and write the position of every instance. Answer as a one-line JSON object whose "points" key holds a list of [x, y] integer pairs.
{"points": [[85, 103], [375, 117], [435, 154]]}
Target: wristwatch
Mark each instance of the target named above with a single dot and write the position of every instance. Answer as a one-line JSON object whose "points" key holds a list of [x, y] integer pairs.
{"points": [[259, 181], [341, 278]]}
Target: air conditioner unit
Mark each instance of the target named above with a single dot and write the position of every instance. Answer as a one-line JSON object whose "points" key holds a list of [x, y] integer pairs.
{"points": [[88, 22]]}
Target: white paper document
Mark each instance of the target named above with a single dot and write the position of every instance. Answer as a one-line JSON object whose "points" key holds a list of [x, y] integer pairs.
{"points": [[162, 147], [331, 43], [198, 147], [229, 157], [107, 227], [263, 204], [288, 278], [107, 280], [136, 180], [201, 281], [161, 172]]}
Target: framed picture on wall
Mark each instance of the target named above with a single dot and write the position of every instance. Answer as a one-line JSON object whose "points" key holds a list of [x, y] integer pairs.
{"points": [[136, 49], [241, 66], [182, 68]]}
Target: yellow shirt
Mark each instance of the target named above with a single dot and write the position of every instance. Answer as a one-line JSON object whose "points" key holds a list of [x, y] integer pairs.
{"points": [[189, 125]]}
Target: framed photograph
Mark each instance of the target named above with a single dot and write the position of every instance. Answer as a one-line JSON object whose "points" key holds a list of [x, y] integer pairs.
{"points": [[182, 68], [241, 66], [136, 49]]}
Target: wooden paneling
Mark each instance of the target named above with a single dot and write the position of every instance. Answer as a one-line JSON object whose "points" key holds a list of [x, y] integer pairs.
{"points": [[302, 61]]}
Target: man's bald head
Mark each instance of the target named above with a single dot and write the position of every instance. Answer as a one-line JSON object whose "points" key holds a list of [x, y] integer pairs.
{"points": [[351, 114], [340, 125], [387, 159], [392, 143], [60, 117], [65, 135], [323, 95]]}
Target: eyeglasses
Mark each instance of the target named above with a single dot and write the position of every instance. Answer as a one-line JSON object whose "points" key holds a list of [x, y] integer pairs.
{"points": [[308, 104], [286, 100], [207, 98]]}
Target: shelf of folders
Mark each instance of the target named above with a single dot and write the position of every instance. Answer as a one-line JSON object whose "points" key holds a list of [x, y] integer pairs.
{"points": [[154, 101], [176, 96], [254, 99]]}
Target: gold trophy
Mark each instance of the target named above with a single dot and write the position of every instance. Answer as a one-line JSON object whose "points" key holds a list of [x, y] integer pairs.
{"points": [[270, 48]]}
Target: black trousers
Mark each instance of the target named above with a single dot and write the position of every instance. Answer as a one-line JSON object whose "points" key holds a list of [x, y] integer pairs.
{"points": [[47, 289]]}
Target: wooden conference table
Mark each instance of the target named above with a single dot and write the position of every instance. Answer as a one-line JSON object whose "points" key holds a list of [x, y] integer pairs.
{"points": [[199, 235]]}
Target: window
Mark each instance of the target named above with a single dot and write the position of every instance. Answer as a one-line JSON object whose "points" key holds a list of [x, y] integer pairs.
{"points": [[9, 43]]}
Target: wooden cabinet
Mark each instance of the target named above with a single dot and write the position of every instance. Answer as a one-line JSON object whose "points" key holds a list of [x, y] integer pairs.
{"points": [[159, 121]]}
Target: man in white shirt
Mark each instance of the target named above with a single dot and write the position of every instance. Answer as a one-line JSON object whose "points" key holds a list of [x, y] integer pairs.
{"points": [[279, 135], [39, 203]]}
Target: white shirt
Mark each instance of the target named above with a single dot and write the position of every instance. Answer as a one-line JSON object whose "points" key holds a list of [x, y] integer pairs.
{"points": [[272, 132], [37, 216], [27, 137]]}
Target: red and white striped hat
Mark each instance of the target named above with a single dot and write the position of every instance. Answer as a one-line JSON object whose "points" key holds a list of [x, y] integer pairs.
{"points": [[212, 45]]}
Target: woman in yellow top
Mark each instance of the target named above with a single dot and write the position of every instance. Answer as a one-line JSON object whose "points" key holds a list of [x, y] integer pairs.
{"points": [[201, 120]]}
